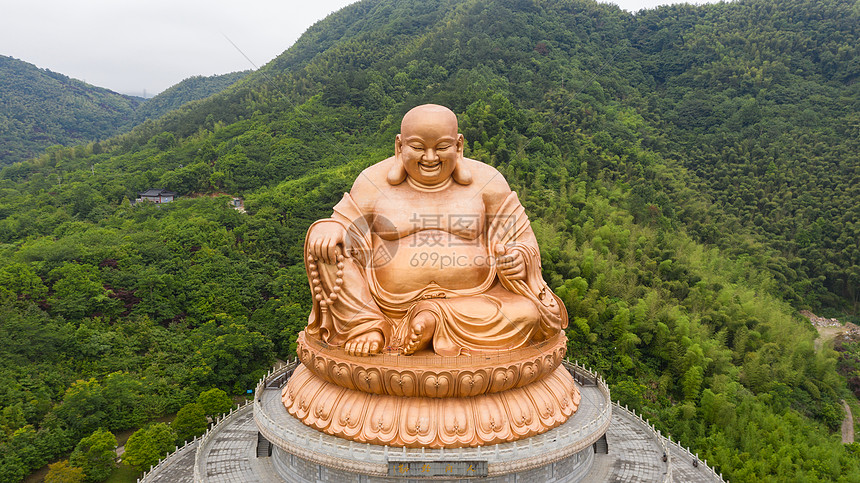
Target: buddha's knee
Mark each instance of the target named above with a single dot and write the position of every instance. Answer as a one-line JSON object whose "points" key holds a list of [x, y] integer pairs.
{"points": [[521, 309]]}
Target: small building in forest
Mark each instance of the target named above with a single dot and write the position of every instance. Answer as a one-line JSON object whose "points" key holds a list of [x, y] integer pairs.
{"points": [[156, 195], [238, 204]]}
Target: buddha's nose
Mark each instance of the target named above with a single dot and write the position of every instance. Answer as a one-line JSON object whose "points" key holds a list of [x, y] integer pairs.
{"points": [[430, 154]]}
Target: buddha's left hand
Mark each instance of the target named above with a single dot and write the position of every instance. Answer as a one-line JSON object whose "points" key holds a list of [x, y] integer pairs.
{"points": [[510, 263]]}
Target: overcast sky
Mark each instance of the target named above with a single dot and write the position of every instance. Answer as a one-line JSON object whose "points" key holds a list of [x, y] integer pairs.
{"points": [[134, 45]]}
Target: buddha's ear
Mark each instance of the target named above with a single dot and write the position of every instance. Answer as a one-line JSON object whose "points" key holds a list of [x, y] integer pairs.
{"points": [[461, 173], [397, 173], [398, 145]]}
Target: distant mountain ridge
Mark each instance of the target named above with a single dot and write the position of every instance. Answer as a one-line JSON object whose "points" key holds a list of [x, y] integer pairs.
{"points": [[191, 89], [41, 108]]}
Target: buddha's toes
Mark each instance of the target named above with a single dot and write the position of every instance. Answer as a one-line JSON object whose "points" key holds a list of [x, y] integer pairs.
{"points": [[421, 330], [365, 344]]}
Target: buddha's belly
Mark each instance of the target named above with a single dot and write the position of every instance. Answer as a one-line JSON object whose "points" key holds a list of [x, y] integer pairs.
{"points": [[427, 257]]}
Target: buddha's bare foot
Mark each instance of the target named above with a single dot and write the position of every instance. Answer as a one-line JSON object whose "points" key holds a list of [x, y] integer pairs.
{"points": [[365, 344], [421, 330]]}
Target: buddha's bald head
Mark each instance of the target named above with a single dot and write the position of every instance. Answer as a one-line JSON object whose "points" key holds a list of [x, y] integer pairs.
{"points": [[430, 118], [429, 148]]}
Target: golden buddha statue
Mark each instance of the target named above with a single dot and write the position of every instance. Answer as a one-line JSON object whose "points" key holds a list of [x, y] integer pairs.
{"points": [[436, 252], [430, 254]]}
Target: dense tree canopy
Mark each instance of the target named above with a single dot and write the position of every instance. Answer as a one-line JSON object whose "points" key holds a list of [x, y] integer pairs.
{"points": [[190, 422], [148, 445], [61, 472], [214, 402], [95, 454]]}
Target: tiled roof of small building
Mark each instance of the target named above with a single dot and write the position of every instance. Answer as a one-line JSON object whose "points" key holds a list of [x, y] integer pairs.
{"points": [[156, 192]]}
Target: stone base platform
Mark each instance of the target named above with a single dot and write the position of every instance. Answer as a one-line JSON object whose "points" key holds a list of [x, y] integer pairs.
{"points": [[235, 451], [562, 454], [293, 469]]}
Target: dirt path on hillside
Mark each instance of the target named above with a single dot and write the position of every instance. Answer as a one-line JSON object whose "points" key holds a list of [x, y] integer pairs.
{"points": [[826, 334], [828, 329], [847, 425]]}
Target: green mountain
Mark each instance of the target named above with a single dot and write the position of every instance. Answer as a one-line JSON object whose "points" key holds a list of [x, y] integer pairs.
{"points": [[190, 89], [691, 173], [761, 103], [40, 108]]}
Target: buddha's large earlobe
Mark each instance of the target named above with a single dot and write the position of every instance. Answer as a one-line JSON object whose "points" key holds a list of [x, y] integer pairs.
{"points": [[461, 173], [397, 173]]}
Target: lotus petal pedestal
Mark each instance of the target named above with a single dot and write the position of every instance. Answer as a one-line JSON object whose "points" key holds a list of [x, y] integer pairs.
{"points": [[432, 401]]}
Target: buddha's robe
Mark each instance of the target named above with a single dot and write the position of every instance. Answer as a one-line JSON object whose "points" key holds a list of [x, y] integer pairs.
{"points": [[496, 314]]}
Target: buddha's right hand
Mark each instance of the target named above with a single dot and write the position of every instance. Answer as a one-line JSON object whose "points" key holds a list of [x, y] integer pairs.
{"points": [[323, 240]]}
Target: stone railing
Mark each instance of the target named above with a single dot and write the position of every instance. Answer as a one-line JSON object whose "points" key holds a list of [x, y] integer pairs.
{"points": [[206, 439], [179, 451], [203, 439], [585, 375], [280, 374], [666, 442], [695, 457], [167, 461], [657, 435]]}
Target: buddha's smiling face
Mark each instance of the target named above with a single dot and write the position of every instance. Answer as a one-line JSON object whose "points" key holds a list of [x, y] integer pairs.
{"points": [[428, 145]]}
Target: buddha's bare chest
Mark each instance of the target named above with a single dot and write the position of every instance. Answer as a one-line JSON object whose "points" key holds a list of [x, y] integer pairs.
{"points": [[403, 212]]}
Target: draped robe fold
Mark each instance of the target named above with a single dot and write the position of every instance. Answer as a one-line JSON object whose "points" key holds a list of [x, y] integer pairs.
{"points": [[496, 314]]}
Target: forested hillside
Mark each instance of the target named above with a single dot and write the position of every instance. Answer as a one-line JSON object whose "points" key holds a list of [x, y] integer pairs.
{"points": [[691, 174], [190, 89], [40, 108], [762, 105]]}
